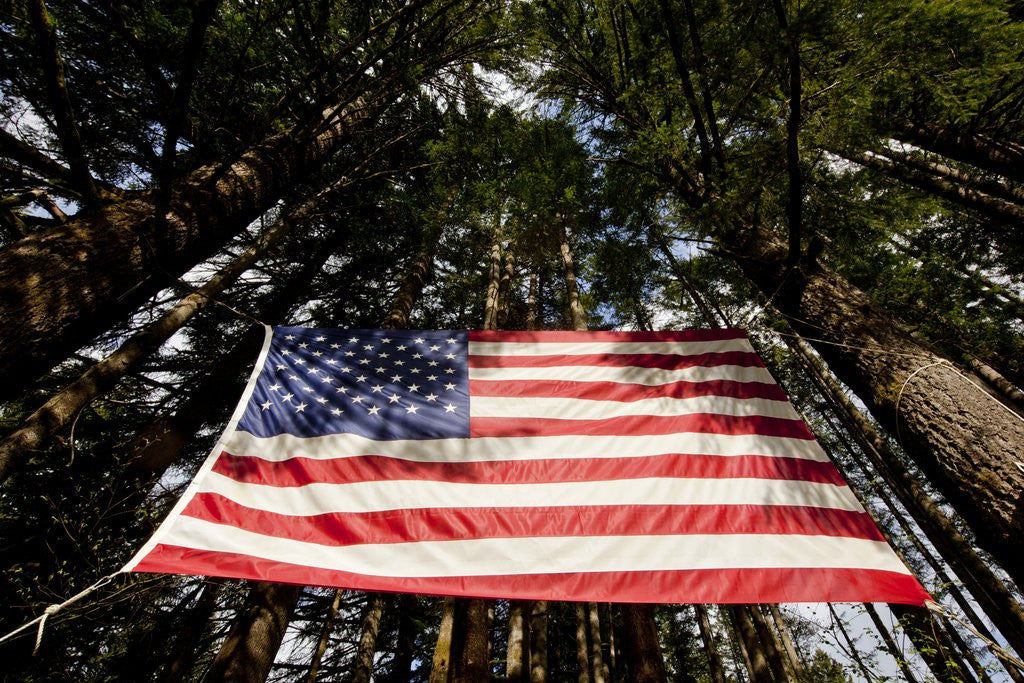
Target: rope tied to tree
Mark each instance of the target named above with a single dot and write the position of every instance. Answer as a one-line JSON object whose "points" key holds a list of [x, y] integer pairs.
{"points": [[996, 648], [54, 609]]}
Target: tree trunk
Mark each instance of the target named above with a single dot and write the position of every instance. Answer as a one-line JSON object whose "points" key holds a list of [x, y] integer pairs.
{"points": [[890, 645], [940, 657], [66, 285], [582, 660], [325, 637], [854, 652], [787, 643], [994, 188], [966, 443], [531, 302], [187, 644], [473, 664], [493, 287], [597, 665], [508, 273], [363, 665], [577, 314], [539, 642], [715, 668], [754, 656], [996, 599], [247, 654], [440, 670], [518, 636], [770, 645], [640, 636], [406, 641], [973, 149]]}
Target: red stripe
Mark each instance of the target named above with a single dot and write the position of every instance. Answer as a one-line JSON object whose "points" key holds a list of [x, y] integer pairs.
{"points": [[617, 391], [302, 471], [723, 586], [661, 361], [564, 336], [449, 524], [634, 425]]}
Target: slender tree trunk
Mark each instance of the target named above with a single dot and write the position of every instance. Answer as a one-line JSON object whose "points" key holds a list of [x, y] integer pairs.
{"points": [[66, 285], [965, 654], [473, 664], [964, 442], [613, 653], [508, 273], [518, 637], [890, 645], [970, 148], [363, 665], [440, 670], [247, 654], [708, 637], [996, 599], [945, 664], [406, 640], [582, 660], [325, 637], [994, 188], [600, 669], [760, 669], [640, 634], [186, 647], [787, 643], [539, 642], [531, 302], [739, 644], [770, 645], [577, 314], [493, 288], [1006, 389]]}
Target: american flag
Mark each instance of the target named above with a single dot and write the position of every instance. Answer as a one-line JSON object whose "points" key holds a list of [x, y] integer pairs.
{"points": [[605, 466]]}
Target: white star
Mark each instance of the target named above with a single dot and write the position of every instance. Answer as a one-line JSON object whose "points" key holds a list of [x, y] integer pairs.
{"points": [[431, 397], [335, 346], [289, 336], [385, 355], [357, 399], [450, 408], [396, 378], [345, 371], [293, 376], [450, 356], [287, 397], [399, 362], [368, 347], [266, 405], [449, 371], [451, 340], [353, 340], [435, 347], [432, 363], [286, 352], [301, 408], [401, 347], [321, 338], [332, 362], [312, 371], [414, 387], [364, 361], [321, 399], [373, 410], [417, 356], [282, 366], [337, 411], [377, 388], [381, 369], [326, 379], [418, 340], [431, 378], [350, 353], [303, 345], [320, 353], [300, 361], [308, 390], [341, 390], [415, 371], [394, 398], [361, 378], [385, 340], [449, 386], [274, 387], [411, 409]]}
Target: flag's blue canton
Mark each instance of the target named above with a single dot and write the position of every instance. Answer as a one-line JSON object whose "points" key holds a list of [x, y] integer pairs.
{"points": [[381, 384]]}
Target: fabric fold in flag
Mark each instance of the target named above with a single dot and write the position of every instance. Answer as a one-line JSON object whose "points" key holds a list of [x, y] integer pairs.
{"points": [[592, 466]]}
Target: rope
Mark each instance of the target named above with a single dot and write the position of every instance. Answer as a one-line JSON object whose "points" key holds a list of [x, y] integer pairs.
{"points": [[240, 314], [53, 609], [996, 648]]}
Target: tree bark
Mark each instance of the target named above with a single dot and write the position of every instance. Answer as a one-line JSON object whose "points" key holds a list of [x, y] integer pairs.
{"points": [[770, 645], [715, 668], [940, 657], [963, 441], [577, 314], [247, 654], [582, 660], [406, 641], [493, 288], [442, 664], [640, 636], [996, 599], [531, 302], [363, 666], [518, 636], [66, 285], [854, 652], [973, 149], [756, 659], [796, 665], [186, 647], [539, 642], [325, 637], [890, 645], [473, 664], [597, 665]]}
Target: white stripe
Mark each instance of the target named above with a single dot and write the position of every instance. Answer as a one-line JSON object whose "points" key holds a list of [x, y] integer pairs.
{"points": [[510, 348], [584, 409], [627, 374], [504, 556], [375, 496], [490, 449]]}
